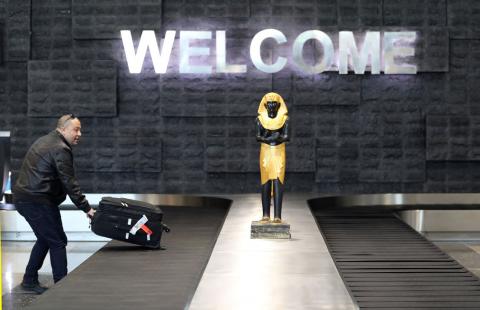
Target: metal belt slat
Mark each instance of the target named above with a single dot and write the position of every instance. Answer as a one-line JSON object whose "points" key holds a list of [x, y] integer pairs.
{"points": [[385, 264]]}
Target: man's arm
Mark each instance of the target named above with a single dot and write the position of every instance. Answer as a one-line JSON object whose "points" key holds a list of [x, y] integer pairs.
{"points": [[64, 162]]}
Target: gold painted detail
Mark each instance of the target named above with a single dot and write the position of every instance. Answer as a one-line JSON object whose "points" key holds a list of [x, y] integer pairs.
{"points": [[272, 162], [282, 114]]}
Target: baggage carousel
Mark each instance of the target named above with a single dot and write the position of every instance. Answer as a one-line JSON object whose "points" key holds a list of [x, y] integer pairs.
{"points": [[345, 253]]}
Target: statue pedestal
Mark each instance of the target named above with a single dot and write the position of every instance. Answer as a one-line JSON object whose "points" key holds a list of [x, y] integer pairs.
{"points": [[267, 230]]}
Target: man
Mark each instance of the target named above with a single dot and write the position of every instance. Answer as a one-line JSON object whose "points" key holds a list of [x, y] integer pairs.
{"points": [[45, 178]]}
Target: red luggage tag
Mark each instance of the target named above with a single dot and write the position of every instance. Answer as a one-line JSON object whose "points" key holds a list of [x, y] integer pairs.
{"points": [[141, 225], [146, 229]]}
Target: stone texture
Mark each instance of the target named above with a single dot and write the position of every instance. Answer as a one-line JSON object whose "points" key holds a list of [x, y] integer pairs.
{"points": [[18, 30], [52, 22], [3, 20], [327, 89], [421, 13], [85, 88], [119, 154], [431, 49], [453, 138], [373, 146], [463, 93], [353, 14], [463, 19], [99, 19], [452, 176], [181, 133]]}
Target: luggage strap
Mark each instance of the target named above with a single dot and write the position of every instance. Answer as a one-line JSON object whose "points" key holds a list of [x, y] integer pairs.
{"points": [[141, 225]]}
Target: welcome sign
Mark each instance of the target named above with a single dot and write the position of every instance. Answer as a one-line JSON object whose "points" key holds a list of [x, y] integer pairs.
{"points": [[378, 51]]}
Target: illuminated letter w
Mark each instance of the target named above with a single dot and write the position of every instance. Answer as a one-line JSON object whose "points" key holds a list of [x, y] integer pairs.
{"points": [[147, 41]]}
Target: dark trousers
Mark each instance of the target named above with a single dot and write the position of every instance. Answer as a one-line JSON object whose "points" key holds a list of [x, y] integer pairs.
{"points": [[47, 225]]}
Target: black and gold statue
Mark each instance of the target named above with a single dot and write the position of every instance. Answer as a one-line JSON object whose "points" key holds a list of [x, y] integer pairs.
{"points": [[272, 132]]}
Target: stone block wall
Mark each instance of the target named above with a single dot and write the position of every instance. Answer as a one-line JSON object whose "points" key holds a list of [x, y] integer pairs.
{"points": [[180, 133]]}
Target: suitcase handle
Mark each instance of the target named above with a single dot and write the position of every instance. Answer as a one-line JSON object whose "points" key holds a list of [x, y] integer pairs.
{"points": [[122, 227]]}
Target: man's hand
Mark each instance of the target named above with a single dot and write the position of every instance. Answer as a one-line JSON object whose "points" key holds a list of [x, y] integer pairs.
{"points": [[90, 213]]}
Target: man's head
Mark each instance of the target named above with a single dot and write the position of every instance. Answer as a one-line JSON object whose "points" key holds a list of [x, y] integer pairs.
{"points": [[69, 126], [272, 108]]}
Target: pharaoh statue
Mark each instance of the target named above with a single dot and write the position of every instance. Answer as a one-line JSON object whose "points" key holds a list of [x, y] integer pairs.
{"points": [[272, 133]]}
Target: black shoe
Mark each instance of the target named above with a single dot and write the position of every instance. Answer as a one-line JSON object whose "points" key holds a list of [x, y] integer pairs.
{"points": [[36, 288]]}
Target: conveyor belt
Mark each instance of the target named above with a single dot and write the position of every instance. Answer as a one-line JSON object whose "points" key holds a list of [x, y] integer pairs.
{"points": [[385, 264], [124, 276]]}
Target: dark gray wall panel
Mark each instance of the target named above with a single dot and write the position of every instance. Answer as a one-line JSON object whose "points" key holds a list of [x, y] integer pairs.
{"points": [[419, 13], [452, 177], [300, 155], [120, 182], [96, 19], [348, 132], [3, 30], [359, 13], [432, 49], [327, 89], [52, 29], [183, 154], [214, 95], [232, 155], [231, 147], [326, 13], [464, 77], [463, 19], [119, 154], [453, 137], [13, 99], [220, 9], [18, 30], [86, 88], [376, 145]]}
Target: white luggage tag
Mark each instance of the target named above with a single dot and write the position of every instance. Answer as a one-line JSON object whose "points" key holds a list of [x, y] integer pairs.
{"points": [[138, 224]]}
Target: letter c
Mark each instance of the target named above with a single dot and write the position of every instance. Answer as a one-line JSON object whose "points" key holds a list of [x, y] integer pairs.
{"points": [[256, 56]]}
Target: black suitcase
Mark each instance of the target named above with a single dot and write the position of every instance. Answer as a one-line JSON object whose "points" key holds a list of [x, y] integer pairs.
{"points": [[129, 220]]}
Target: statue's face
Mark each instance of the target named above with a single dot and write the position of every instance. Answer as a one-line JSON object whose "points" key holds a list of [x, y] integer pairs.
{"points": [[272, 108]]}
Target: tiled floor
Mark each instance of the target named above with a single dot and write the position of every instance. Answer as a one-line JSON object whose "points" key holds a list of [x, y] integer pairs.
{"points": [[466, 253], [15, 257]]}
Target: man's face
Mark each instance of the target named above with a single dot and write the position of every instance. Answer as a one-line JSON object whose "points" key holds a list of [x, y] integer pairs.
{"points": [[71, 132], [272, 108]]}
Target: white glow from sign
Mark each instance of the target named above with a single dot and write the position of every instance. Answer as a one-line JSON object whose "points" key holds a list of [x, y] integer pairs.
{"points": [[147, 41], [391, 51], [222, 66], [256, 55], [187, 51], [348, 50], [396, 45], [328, 51]]}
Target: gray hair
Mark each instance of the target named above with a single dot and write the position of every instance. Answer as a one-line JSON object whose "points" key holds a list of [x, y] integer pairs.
{"points": [[64, 119]]}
